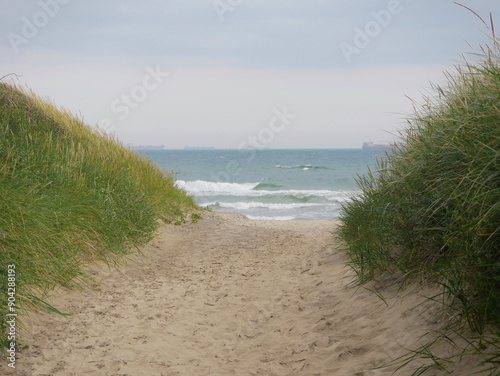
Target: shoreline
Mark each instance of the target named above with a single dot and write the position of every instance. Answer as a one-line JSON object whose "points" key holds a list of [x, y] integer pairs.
{"points": [[225, 296]]}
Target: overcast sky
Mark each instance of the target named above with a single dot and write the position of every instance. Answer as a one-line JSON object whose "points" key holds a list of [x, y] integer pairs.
{"points": [[232, 73]]}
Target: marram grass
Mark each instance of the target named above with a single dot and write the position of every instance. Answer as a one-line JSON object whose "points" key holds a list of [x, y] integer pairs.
{"points": [[68, 195], [432, 208]]}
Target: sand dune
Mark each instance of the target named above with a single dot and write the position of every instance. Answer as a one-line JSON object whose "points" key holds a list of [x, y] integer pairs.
{"points": [[230, 296]]}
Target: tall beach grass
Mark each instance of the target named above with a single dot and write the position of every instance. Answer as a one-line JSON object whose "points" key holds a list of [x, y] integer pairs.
{"points": [[431, 209], [69, 195]]}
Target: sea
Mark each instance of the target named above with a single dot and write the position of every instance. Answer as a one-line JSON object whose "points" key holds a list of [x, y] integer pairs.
{"points": [[277, 184]]}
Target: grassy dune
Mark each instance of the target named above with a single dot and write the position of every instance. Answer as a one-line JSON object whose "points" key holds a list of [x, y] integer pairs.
{"points": [[69, 195], [432, 208]]}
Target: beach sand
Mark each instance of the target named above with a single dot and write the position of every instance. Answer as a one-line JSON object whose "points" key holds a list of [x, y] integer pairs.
{"points": [[230, 296]]}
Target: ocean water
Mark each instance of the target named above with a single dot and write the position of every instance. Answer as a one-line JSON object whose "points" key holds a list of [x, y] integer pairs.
{"points": [[269, 184]]}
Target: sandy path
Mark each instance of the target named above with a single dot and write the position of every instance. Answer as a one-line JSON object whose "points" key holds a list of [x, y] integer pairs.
{"points": [[228, 296]]}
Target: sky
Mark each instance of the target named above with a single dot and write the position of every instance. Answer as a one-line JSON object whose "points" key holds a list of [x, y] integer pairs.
{"points": [[240, 73]]}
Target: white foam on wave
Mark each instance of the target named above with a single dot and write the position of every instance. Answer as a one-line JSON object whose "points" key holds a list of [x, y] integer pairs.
{"points": [[207, 188], [263, 205], [304, 167]]}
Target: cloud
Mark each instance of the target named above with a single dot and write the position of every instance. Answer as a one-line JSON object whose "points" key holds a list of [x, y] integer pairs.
{"points": [[255, 34], [223, 106], [227, 76]]}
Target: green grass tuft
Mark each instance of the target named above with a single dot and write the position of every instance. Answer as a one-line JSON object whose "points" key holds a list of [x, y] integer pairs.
{"points": [[432, 208], [69, 195]]}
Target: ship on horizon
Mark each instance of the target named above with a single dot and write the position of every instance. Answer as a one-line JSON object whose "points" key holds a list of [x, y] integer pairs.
{"points": [[372, 145]]}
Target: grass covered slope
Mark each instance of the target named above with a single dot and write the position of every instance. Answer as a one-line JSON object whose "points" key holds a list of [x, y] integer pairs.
{"points": [[433, 206], [68, 195]]}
